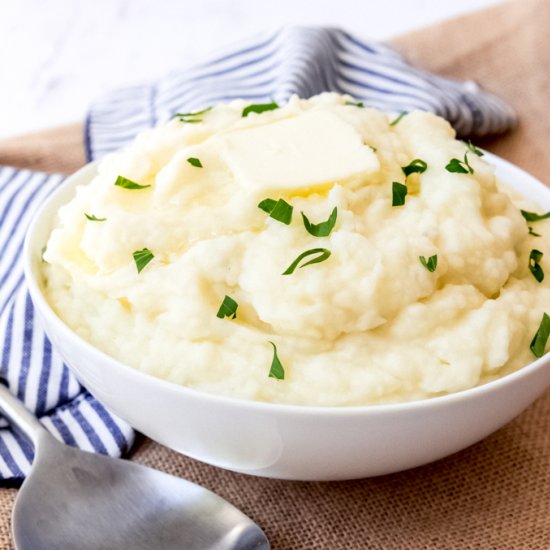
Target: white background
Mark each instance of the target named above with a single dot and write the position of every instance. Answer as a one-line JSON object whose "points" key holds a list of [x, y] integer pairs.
{"points": [[56, 56]]}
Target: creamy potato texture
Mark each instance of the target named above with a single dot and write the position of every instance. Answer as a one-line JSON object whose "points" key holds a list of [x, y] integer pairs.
{"points": [[368, 324]]}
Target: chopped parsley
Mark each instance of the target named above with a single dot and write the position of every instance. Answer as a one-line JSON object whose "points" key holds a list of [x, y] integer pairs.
{"points": [[398, 118], [259, 108], [142, 258], [194, 162], [531, 232], [322, 229], [372, 148], [352, 103], [193, 117], [538, 344], [460, 166], [228, 308], [534, 266], [129, 184], [267, 205], [430, 264], [399, 192], [474, 149], [532, 217], [278, 210], [322, 255], [276, 370], [417, 165], [93, 218]]}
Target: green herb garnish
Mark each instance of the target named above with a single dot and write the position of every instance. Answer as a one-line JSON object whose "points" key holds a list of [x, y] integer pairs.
{"points": [[193, 117], [42, 252], [93, 218], [417, 165], [474, 149], [460, 166], [538, 344], [399, 192], [531, 232], [194, 162], [278, 210], [430, 264], [142, 258], [532, 217], [456, 166], [322, 229], [322, 255], [534, 266], [372, 148], [353, 104], [129, 184], [267, 205], [399, 117], [276, 370], [259, 108], [228, 308]]}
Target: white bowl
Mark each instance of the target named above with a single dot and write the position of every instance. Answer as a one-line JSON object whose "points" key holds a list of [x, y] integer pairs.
{"points": [[283, 441]]}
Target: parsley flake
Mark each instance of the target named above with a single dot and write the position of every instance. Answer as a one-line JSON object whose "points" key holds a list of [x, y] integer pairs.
{"points": [[459, 166], [278, 210], [93, 218], [267, 205], [534, 266], [322, 229], [532, 217], [322, 255], [531, 232], [276, 370], [430, 264], [128, 184], [399, 192], [417, 165], [228, 308], [398, 118], [456, 166], [353, 104], [538, 344], [193, 117], [474, 149], [142, 258], [194, 162], [259, 108]]}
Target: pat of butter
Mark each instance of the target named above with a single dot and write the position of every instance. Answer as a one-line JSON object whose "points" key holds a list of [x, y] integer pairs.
{"points": [[309, 150]]}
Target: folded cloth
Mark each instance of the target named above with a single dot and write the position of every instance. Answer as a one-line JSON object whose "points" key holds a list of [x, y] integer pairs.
{"points": [[295, 60], [30, 367], [274, 65]]}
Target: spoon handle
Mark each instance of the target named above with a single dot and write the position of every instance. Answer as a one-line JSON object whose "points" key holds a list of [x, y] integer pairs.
{"points": [[19, 415]]}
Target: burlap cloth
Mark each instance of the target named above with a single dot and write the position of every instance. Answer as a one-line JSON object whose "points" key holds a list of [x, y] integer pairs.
{"points": [[495, 494]]}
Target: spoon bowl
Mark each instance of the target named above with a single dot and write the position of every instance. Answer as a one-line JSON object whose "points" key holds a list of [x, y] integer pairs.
{"points": [[75, 499]]}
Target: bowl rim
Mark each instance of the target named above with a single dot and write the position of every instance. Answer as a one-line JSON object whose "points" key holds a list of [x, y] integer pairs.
{"points": [[535, 187]]}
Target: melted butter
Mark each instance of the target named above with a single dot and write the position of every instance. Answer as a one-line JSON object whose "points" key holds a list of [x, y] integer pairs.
{"points": [[298, 155]]}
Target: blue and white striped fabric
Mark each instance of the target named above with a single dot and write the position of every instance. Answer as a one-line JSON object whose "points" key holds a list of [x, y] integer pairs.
{"points": [[295, 60], [29, 366], [274, 65]]}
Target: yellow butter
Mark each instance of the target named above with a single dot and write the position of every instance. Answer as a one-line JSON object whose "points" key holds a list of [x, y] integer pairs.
{"points": [[306, 151]]}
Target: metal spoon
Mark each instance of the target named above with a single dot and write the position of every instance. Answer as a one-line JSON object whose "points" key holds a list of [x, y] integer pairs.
{"points": [[74, 499]]}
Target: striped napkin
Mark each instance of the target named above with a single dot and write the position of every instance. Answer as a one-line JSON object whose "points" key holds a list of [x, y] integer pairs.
{"points": [[295, 60], [269, 66], [30, 367]]}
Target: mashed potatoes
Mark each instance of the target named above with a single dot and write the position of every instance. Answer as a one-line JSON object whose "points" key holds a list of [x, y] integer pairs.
{"points": [[410, 296]]}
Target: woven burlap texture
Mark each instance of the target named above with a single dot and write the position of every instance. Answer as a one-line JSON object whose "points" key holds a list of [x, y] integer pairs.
{"points": [[493, 495]]}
